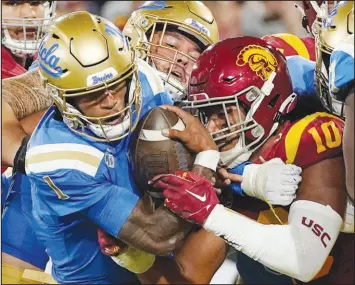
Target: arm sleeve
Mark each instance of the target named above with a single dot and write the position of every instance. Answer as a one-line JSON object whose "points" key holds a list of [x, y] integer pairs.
{"points": [[111, 212], [298, 249]]}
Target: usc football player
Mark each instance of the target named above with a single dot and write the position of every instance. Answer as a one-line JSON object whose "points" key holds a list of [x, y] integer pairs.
{"points": [[243, 94]]}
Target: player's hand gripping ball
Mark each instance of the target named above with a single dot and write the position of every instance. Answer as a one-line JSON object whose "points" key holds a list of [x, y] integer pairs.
{"points": [[152, 154]]}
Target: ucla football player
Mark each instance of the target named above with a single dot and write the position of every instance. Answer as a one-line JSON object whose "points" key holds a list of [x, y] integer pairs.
{"points": [[332, 25], [334, 34], [76, 158], [170, 36]]}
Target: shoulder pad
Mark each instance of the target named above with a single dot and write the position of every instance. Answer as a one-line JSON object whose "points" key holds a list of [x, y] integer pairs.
{"points": [[313, 138], [63, 156], [152, 76]]}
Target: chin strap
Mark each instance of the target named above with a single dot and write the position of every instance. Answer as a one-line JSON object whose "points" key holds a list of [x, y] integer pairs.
{"points": [[242, 153], [172, 87]]}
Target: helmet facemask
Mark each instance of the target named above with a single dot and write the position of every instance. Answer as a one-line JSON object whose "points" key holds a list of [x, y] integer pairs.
{"points": [[249, 132], [33, 30], [103, 131], [328, 33], [322, 82], [174, 85]]}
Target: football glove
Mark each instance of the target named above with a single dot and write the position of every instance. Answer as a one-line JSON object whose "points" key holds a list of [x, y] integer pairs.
{"points": [[187, 194], [273, 181]]}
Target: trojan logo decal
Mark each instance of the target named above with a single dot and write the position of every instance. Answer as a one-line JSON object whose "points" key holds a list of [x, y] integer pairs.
{"points": [[259, 59]]}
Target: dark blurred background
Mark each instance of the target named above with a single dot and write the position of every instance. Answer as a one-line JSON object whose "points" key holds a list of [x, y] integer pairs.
{"points": [[234, 18]]}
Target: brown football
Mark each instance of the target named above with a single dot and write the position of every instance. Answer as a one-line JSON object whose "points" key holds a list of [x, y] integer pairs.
{"points": [[152, 154]]}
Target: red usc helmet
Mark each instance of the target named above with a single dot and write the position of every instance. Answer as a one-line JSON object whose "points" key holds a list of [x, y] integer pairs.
{"points": [[290, 45], [246, 72]]}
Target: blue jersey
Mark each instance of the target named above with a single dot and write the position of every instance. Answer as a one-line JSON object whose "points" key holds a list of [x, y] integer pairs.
{"points": [[79, 185], [18, 237]]}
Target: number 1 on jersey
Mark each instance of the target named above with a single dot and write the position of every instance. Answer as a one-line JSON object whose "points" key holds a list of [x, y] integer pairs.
{"points": [[59, 192]]}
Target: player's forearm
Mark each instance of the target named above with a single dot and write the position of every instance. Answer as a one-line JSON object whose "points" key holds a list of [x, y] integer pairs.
{"points": [[298, 249], [195, 262], [12, 135], [156, 231], [25, 94]]}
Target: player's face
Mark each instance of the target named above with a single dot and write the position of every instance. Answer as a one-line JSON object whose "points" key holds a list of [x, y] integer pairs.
{"points": [[104, 103], [217, 121], [183, 67], [19, 10]]}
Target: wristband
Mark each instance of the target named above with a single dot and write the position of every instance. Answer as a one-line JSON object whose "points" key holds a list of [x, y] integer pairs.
{"points": [[208, 159]]}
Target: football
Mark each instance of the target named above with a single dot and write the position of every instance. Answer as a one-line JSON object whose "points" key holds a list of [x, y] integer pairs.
{"points": [[152, 154]]}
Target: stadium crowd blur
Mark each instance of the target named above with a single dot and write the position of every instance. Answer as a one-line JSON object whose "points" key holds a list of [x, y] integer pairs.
{"points": [[234, 18]]}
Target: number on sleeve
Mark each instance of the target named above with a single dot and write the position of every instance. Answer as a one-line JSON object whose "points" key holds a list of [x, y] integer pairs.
{"points": [[329, 141]]}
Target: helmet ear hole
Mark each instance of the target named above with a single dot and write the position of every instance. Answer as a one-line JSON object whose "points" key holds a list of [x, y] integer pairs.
{"points": [[273, 101], [229, 79]]}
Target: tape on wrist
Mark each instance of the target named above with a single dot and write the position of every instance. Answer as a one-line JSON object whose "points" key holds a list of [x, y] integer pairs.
{"points": [[208, 159]]}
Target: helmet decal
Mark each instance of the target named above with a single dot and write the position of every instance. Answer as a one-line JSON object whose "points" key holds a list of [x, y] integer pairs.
{"points": [[260, 60], [197, 25], [154, 5], [101, 76], [49, 61]]}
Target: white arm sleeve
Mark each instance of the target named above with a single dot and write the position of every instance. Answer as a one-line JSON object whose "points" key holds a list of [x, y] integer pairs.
{"points": [[298, 249]]}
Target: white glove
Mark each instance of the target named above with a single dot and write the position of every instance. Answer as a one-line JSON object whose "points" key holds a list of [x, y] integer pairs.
{"points": [[274, 181], [348, 220]]}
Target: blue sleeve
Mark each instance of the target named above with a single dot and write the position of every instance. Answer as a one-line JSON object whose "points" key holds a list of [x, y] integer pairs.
{"points": [[341, 73], [163, 99], [70, 191], [112, 211], [301, 71], [239, 169]]}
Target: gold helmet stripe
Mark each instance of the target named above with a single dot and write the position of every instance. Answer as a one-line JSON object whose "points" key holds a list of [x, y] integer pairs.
{"points": [[296, 43]]}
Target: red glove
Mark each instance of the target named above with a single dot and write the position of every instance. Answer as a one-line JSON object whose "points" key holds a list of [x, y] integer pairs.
{"points": [[109, 245], [187, 194]]}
